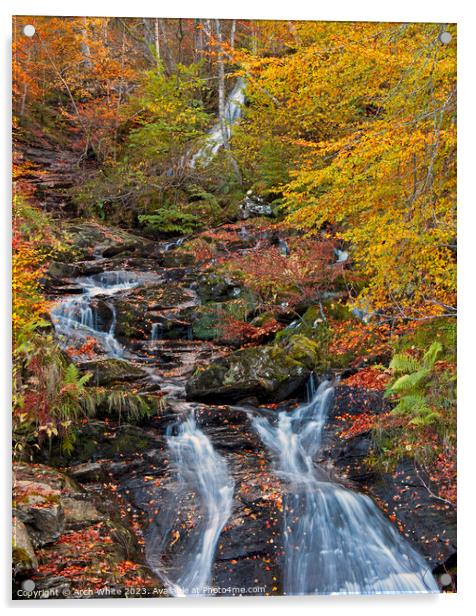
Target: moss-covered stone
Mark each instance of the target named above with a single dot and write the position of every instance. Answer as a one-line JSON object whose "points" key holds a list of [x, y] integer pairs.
{"points": [[303, 350], [23, 554], [96, 440], [107, 372], [267, 373], [214, 287]]}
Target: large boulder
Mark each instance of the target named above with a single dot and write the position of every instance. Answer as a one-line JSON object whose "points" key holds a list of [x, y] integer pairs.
{"points": [[39, 507], [23, 554], [266, 373], [85, 240]]}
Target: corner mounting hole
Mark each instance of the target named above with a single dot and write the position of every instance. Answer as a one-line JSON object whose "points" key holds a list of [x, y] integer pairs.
{"points": [[445, 38], [29, 30]]}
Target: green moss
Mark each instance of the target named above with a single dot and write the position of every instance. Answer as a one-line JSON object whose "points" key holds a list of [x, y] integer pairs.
{"points": [[21, 558], [440, 330], [304, 350]]}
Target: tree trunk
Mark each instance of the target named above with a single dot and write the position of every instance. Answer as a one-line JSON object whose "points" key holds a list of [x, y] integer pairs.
{"points": [[84, 45], [232, 33], [157, 43]]}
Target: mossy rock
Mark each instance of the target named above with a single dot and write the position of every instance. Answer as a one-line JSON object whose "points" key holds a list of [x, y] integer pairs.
{"points": [[107, 372], [23, 554], [267, 372], [96, 440], [440, 330], [81, 239], [337, 311], [214, 287], [303, 350], [311, 325], [207, 322]]}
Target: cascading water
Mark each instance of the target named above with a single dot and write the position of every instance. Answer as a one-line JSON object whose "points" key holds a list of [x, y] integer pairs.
{"points": [[233, 112], [154, 332], [202, 471], [75, 318], [335, 540]]}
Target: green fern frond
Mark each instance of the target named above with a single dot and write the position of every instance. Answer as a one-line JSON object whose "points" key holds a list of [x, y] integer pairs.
{"points": [[403, 363], [409, 382], [430, 357]]}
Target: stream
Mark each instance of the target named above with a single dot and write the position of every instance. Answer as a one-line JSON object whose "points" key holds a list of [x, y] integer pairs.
{"points": [[329, 539]]}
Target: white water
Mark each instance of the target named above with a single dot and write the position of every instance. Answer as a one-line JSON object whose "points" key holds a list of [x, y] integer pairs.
{"points": [[335, 540], [154, 332], [75, 319], [200, 470], [233, 112]]}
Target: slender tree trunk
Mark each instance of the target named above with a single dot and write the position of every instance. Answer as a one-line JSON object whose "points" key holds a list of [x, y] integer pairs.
{"points": [[197, 40], [157, 43], [84, 45], [221, 83], [167, 54], [232, 33]]}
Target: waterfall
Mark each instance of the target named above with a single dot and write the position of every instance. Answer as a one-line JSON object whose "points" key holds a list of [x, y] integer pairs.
{"points": [[335, 540], [233, 112], [75, 318], [154, 332], [200, 470]]}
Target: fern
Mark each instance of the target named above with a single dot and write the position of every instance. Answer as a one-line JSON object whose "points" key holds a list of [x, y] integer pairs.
{"points": [[411, 388], [403, 363], [430, 357]]}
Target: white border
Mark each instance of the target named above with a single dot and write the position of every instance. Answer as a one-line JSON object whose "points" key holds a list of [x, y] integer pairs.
{"points": [[459, 11]]}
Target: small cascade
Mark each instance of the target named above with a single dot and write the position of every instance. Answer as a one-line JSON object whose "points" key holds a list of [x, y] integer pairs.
{"points": [[233, 112], [341, 255], [283, 247], [75, 318], [335, 540], [154, 332], [201, 471]]}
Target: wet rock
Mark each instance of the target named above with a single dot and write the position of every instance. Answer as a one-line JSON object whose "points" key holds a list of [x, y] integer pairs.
{"points": [[139, 309], [117, 249], [61, 270], [406, 493], [45, 474], [356, 400], [265, 372], [429, 523]]}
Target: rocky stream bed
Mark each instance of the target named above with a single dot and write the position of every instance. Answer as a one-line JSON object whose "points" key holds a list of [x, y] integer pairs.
{"points": [[173, 488]]}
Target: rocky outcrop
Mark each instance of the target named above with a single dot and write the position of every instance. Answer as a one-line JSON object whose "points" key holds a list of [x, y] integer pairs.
{"points": [[70, 542], [266, 373]]}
